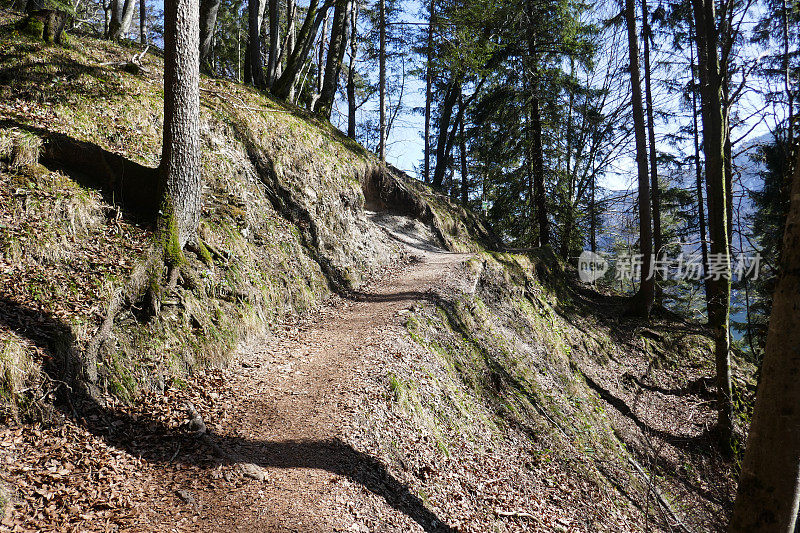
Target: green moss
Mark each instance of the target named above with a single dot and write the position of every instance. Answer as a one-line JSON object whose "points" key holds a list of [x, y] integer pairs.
{"points": [[33, 27], [170, 242]]}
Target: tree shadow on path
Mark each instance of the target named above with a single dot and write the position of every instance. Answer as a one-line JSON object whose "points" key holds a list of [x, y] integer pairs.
{"points": [[153, 441]]}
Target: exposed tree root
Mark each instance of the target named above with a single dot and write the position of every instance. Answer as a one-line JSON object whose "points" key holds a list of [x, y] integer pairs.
{"points": [[158, 274]]}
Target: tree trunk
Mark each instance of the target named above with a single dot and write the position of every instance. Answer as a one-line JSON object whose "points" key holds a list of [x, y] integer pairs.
{"points": [[285, 85], [531, 68], [462, 145], [208, 21], [320, 58], [428, 95], [769, 485], [701, 213], [333, 65], [143, 22], [655, 193], [121, 18], [274, 41], [538, 169], [254, 57], [382, 83], [642, 302], [593, 216], [719, 257], [180, 181], [351, 74], [442, 153]]}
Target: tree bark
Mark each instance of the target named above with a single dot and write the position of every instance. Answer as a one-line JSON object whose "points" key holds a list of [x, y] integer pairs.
{"points": [[254, 57], [642, 302], [442, 153], [655, 193], [769, 485], [333, 64], [714, 150], [428, 95], [285, 85], [351, 75], [143, 22], [121, 18], [701, 213], [208, 22], [180, 181], [538, 172], [382, 83], [462, 145], [274, 42]]}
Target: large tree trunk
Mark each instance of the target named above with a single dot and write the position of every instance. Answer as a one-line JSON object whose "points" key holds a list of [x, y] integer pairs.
{"points": [[180, 159], [208, 22], [642, 302], [655, 194], [333, 65], [769, 485], [255, 61], [719, 257]]}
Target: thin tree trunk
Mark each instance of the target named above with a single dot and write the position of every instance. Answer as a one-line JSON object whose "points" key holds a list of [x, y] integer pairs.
{"points": [[593, 216], [442, 154], [769, 485], [333, 66], [180, 159], [274, 42], [143, 22], [787, 84], [429, 94], [655, 193], [351, 75], [285, 85], [537, 155], [701, 213], [462, 144], [714, 150], [538, 171], [320, 60], [208, 22], [642, 303], [382, 83]]}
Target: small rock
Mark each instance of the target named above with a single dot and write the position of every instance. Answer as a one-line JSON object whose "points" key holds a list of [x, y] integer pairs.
{"points": [[253, 471], [186, 496]]}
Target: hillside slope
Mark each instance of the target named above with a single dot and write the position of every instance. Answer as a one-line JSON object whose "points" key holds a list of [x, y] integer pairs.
{"points": [[476, 390]]}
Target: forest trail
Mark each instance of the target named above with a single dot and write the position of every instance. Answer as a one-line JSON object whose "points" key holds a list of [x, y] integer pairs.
{"points": [[286, 400]]}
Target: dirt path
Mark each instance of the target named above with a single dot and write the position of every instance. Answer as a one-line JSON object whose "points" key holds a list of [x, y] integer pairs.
{"points": [[287, 402]]}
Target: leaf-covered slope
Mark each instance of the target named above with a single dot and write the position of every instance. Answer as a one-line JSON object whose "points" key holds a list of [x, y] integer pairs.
{"points": [[284, 209]]}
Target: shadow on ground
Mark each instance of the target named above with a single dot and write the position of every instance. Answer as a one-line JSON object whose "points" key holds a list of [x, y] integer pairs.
{"points": [[154, 442]]}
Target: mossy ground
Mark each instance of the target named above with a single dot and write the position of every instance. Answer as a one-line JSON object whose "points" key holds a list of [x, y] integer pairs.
{"points": [[65, 249]]}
